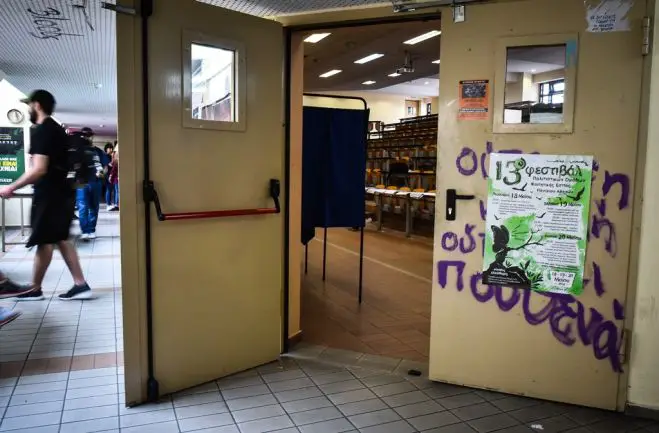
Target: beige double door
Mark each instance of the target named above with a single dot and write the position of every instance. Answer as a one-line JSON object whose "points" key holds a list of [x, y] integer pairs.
{"points": [[526, 343], [216, 139]]}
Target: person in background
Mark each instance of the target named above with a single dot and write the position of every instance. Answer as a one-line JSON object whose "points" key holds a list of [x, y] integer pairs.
{"points": [[53, 199], [88, 196], [114, 179], [105, 162], [9, 289]]}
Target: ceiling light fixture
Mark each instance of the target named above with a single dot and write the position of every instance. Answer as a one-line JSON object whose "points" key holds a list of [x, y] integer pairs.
{"points": [[423, 37], [316, 37], [426, 83], [330, 73], [369, 82], [436, 62], [394, 75], [369, 58]]}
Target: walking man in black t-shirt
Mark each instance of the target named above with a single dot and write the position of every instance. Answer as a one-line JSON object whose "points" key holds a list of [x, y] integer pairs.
{"points": [[54, 198]]}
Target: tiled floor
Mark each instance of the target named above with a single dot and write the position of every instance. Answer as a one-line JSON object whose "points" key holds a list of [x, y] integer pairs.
{"points": [[54, 336], [314, 390], [394, 319]]}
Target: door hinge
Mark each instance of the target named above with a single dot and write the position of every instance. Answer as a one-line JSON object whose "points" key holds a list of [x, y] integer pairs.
{"points": [[647, 32], [625, 346], [119, 9]]}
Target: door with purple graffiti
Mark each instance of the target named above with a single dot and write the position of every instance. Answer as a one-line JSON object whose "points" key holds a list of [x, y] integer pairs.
{"points": [[563, 82]]}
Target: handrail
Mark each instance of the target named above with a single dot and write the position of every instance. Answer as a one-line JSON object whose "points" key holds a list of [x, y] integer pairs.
{"points": [[151, 195]]}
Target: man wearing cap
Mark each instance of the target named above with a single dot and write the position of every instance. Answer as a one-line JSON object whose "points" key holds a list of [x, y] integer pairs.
{"points": [[88, 196], [53, 199]]}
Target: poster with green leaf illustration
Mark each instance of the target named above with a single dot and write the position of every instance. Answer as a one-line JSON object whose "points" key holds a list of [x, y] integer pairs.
{"points": [[537, 221]]}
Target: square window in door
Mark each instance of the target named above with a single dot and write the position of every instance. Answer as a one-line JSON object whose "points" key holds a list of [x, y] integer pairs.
{"points": [[535, 84], [213, 75], [213, 83]]}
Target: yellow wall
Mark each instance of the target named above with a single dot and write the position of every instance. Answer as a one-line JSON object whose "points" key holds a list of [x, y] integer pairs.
{"points": [[644, 371], [384, 107]]}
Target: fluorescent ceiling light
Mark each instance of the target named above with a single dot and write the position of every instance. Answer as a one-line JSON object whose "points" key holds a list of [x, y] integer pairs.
{"points": [[330, 73], [423, 37], [394, 75], [316, 37], [436, 62], [369, 58], [369, 82]]}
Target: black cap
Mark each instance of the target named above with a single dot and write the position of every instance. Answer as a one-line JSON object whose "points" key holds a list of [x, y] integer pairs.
{"points": [[43, 97], [86, 132]]}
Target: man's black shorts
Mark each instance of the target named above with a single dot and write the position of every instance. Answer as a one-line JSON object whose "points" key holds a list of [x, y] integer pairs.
{"points": [[51, 219]]}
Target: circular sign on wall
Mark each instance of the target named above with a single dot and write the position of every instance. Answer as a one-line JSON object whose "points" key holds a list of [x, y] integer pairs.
{"points": [[15, 116]]}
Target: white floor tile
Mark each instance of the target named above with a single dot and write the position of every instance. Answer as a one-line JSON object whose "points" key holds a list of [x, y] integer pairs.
{"points": [[97, 425], [145, 418], [34, 409], [24, 422], [91, 413]]}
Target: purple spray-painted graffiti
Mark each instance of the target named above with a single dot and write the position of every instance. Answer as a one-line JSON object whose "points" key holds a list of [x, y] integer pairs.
{"points": [[467, 243], [564, 313], [569, 319]]}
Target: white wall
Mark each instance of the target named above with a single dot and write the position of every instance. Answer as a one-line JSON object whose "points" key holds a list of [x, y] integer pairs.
{"points": [[9, 99], [644, 366], [385, 108]]}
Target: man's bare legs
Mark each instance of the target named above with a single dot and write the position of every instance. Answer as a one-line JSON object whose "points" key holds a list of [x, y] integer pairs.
{"points": [[41, 263], [72, 261]]}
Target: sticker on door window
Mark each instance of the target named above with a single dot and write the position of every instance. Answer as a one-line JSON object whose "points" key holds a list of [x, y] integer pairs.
{"points": [[537, 221], [213, 83]]}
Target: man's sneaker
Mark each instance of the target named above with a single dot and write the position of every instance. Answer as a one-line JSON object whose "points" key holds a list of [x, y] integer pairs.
{"points": [[7, 315], [77, 293], [35, 295], [111, 208], [84, 237], [91, 236], [9, 289]]}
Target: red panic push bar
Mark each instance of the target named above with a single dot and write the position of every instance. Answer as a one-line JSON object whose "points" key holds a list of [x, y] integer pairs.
{"points": [[151, 195]]}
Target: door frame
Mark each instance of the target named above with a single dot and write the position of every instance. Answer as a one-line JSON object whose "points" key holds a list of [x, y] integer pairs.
{"points": [[290, 31]]}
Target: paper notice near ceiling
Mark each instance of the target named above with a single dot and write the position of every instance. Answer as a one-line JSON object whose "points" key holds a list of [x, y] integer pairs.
{"points": [[608, 16]]}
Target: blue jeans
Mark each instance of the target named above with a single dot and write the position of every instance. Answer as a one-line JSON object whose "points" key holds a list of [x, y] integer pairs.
{"points": [[89, 198], [112, 194]]}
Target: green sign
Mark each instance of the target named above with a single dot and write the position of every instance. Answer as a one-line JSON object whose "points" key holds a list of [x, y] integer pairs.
{"points": [[537, 221], [12, 154]]}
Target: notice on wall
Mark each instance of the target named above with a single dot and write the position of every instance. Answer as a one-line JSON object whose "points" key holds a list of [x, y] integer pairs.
{"points": [[474, 100], [537, 221], [608, 16], [12, 154]]}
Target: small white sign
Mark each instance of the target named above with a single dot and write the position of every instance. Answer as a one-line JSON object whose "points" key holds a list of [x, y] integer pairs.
{"points": [[609, 16]]}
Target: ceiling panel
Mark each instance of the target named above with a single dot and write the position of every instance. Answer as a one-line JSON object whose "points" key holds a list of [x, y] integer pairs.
{"points": [[67, 47], [263, 8], [345, 45]]}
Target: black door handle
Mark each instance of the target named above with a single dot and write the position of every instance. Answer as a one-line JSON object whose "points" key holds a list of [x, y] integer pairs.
{"points": [[452, 197]]}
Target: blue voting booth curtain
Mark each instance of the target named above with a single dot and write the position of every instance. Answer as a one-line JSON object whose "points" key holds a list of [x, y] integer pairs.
{"points": [[333, 167]]}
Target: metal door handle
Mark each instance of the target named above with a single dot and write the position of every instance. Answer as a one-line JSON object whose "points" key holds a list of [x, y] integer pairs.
{"points": [[451, 198]]}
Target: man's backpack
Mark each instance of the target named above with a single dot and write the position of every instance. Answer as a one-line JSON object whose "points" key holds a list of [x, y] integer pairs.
{"points": [[81, 164]]}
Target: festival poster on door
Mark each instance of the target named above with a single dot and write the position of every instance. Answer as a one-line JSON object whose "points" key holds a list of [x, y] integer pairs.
{"points": [[537, 221], [474, 101], [12, 154]]}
